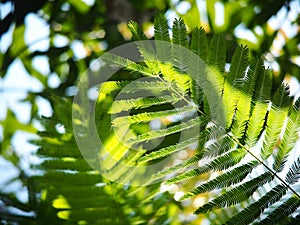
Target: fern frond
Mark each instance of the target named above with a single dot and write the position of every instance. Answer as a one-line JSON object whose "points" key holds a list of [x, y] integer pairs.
{"points": [[180, 36], [70, 179], [289, 139], [224, 180], [281, 212], [161, 35], [276, 119], [193, 123], [139, 103], [220, 163], [148, 116], [164, 152], [136, 31], [244, 93], [237, 194], [189, 97], [244, 102], [234, 81], [169, 170], [65, 164], [54, 149], [262, 91], [150, 84], [161, 30], [145, 47], [127, 64], [253, 211], [112, 86], [238, 67], [173, 76], [217, 52], [293, 174], [220, 145], [199, 44]]}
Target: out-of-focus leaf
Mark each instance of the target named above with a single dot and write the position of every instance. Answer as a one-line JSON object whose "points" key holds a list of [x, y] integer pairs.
{"points": [[288, 67], [18, 45], [79, 5], [17, 49], [232, 14], [192, 16], [5, 23], [292, 45], [27, 62], [210, 8], [10, 125], [267, 10]]}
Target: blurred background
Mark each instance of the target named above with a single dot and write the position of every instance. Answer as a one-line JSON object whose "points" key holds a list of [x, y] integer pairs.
{"points": [[46, 45]]}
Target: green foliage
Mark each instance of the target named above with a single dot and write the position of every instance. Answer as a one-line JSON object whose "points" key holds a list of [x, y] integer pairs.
{"points": [[70, 191], [70, 188], [252, 114], [262, 120]]}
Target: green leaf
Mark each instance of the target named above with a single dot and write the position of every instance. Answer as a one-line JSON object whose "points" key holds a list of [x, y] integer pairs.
{"points": [[289, 138], [148, 116], [80, 6], [231, 177], [281, 212], [10, 125], [276, 119], [237, 194], [169, 170], [126, 63], [139, 103], [193, 123], [180, 36], [18, 47], [234, 81], [261, 98], [220, 163], [192, 16], [168, 150], [253, 211], [199, 44], [217, 53], [145, 47], [161, 35], [293, 174]]}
